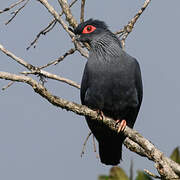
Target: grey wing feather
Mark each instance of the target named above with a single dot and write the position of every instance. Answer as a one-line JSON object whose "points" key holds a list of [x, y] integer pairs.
{"points": [[138, 83], [84, 85]]}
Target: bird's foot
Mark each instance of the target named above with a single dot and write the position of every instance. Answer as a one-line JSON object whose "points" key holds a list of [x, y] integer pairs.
{"points": [[101, 114], [122, 125]]}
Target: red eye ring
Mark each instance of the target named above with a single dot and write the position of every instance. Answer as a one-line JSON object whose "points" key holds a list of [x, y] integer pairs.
{"points": [[88, 29]]}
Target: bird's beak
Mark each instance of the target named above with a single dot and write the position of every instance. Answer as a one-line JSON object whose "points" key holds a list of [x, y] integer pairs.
{"points": [[76, 38]]}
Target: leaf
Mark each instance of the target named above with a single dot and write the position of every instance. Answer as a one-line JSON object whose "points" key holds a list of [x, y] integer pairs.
{"points": [[116, 173], [175, 156], [103, 177], [143, 176]]}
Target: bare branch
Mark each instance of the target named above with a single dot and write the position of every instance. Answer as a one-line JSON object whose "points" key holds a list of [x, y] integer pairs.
{"points": [[56, 61], [166, 170], [56, 15], [11, 6], [81, 50], [43, 32], [84, 144], [64, 25], [121, 31], [17, 59], [48, 28], [94, 145], [52, 76], [129, 27], [134, 147], [72, 22], [72, 3], [82, 10], [36, 70], [8, 85], [16, 12], [69, 17], [151, 174]]}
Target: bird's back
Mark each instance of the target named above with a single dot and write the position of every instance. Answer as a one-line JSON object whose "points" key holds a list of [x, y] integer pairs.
{"points": [[112, 86]]}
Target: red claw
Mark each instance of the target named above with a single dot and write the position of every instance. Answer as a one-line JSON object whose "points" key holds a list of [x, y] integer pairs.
{"points": [[122, 125], [101, 114]]}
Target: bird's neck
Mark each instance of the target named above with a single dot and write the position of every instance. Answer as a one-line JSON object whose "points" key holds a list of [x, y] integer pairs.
{"points": [[106, 45]]}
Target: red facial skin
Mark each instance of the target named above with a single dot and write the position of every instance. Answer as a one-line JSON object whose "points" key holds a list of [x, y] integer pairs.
{"points": [[88, 29]]}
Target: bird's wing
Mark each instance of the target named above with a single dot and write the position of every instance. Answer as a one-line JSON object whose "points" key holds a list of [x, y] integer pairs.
{"points": [[84, 85], [138, 83]]}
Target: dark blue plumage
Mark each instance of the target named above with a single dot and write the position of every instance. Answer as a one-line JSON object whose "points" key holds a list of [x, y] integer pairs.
{"points": [[111, 83]]}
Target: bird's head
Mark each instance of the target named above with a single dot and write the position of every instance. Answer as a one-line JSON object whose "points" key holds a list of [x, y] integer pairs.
{"points": [[90, 30]]}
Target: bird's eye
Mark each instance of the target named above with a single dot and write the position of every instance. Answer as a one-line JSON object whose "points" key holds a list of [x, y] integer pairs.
{"points": [[88, 29]]}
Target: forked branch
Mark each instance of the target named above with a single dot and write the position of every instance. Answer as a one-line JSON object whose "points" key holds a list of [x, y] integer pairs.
{"points": [[48, 28], [17, 11], [36, 70], [129, 27], [11, 6], [166, 169]]}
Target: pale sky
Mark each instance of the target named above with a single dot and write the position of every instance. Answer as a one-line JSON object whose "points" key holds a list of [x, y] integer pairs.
{"points": [[40, 141]]}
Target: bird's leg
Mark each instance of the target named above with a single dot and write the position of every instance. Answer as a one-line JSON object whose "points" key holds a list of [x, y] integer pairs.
{"points": [[122, 125], [101, 114]]}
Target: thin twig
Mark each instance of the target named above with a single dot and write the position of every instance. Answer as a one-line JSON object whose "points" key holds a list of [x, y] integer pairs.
{"points": [[52, 76], [129, 27], [82, 10], [50, 28], [47, 29], [94, 147], [56, 61], [119, 31], [17, 59], [36, 70], [11, 6], [42, 32], [56, 16], [72, 3], [151, 174], [64, 25], [16, 12], [94, 144], [84, 144], [8, 85]]}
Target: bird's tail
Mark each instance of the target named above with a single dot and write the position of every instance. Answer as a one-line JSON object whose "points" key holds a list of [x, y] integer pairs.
{"points": [[110, 150]]}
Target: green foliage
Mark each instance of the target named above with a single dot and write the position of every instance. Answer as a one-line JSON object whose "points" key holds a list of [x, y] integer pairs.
{"points": [[175, 156], [143, 176], [116, 173], [103, 177]]}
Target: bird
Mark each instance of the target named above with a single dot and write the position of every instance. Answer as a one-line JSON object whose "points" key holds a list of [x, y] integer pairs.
{"points": [[111, 85]]}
